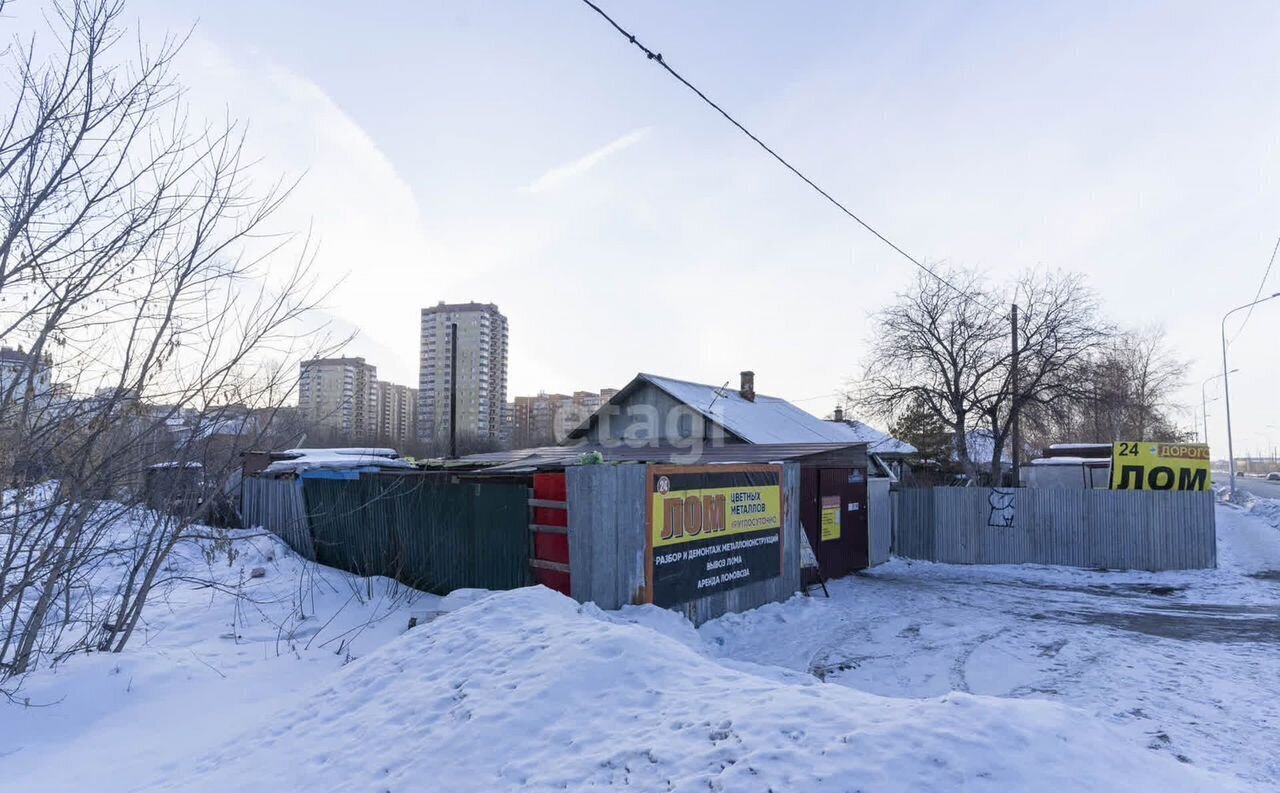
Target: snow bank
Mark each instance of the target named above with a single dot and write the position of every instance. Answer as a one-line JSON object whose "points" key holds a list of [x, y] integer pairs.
{"points": [[529, 690], [234, 632], [1266, 508]]}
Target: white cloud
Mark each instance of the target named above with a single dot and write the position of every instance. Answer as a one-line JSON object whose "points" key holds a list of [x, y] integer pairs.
{"points": [[556, 177], [362, 215]]}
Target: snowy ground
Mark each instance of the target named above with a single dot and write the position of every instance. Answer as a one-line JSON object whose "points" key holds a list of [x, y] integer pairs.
{"points": [[1137, 682], [204, 665], [1187, 663]]}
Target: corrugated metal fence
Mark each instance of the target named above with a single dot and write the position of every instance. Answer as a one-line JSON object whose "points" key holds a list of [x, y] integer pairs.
{"points": [[277, 506], [430, 532], [608, 520], [1137, 530]]}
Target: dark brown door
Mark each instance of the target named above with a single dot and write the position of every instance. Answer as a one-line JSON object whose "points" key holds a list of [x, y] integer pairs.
{"points": [[842, 543]]}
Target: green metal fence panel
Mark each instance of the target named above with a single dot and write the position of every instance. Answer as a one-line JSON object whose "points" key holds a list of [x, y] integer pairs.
{"points": [[430, 532]]}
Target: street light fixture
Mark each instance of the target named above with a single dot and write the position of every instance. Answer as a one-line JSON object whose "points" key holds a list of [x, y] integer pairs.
{"points": [[1204, 402], [1226, 387]]}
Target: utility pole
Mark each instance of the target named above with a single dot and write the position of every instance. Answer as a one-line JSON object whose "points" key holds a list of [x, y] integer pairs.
{"points": [[453, 389], [1226, 388], [1017, 434], [1204, 402]]}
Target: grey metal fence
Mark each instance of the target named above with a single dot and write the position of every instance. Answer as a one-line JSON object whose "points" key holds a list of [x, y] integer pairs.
{"points": [[1135, 530], [608, 520], [277, 505]]}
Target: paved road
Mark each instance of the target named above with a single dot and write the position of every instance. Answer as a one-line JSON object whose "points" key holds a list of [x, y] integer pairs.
{"points": [[1258, 487]]}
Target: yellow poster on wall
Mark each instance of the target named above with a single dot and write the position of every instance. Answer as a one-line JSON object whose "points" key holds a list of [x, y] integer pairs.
{"points": [[830, 518], [1146, 465]]}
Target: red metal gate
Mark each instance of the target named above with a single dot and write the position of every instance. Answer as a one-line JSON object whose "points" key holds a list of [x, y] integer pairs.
{"points": [[550, 530]]}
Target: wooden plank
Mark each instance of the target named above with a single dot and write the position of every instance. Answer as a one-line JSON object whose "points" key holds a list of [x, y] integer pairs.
{"points": [[549, 529], [543, 564], [548, 503]]}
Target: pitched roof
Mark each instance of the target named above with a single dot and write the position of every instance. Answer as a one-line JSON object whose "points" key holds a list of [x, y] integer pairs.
{"points": [[553, 457], [981, 444], [766, 419]]}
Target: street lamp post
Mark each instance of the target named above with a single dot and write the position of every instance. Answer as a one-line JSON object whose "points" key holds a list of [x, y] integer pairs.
{"points": [[1226, 387], [1204, 402]]}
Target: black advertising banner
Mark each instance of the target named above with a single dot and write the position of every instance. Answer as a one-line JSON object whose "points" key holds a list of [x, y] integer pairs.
{"points": [[712, 529]]}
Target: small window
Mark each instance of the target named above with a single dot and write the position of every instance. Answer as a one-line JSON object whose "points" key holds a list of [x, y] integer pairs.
{"points": [[686, 426]]}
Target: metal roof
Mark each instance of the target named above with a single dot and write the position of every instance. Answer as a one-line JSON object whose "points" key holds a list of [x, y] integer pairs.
{"points": [[555, 457], [762, 420]]}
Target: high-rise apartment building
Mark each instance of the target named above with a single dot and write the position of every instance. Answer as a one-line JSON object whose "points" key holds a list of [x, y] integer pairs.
{"points": [[397, 413], [481, 373], [340, 394]]}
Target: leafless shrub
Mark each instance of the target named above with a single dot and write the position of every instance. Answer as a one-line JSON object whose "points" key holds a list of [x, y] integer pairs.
{"points": [[158, 328]]}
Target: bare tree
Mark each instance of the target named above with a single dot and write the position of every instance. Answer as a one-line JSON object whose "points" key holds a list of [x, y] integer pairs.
{"points": [[935, 350], [153, 310], [939, 353], [1125, 392], [1059, 329]]}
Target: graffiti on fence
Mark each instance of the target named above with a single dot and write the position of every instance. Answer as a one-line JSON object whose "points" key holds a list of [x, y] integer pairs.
{"points": [[1003, 506]]}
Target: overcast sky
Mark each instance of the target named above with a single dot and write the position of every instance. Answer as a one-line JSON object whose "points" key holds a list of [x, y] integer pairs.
{"points": [[522, 153]]}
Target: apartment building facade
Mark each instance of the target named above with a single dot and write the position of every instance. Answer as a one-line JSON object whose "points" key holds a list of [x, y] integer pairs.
{"points": [[397, 413], [22, 373], [547, 419], [481, 375], [340, 395]]}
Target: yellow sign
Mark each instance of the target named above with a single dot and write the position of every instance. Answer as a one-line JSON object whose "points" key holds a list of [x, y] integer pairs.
{"points": [[688, 515], [830, 518], [1146, 465]]}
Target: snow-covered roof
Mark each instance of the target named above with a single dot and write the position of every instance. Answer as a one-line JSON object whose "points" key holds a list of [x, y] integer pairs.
{"points": [[175, 464], [879, 442], [770, 419], [333, 459], [350, 451], [234, 426], [1094, 462], [981, 444]]}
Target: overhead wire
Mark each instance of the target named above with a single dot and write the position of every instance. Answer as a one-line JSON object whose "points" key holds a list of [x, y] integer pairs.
{"points": [[1258, 296], [657, 57]]}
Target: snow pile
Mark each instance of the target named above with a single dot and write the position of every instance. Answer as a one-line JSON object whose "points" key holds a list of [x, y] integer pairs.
{"points": [[528, 690], [236, 628], [1266, 508]]}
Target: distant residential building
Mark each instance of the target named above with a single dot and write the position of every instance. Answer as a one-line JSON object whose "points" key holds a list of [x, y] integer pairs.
{"points": [[397, 413], [507, 428], [481, 373], [22, 373], [546, 419], [340, 394]]}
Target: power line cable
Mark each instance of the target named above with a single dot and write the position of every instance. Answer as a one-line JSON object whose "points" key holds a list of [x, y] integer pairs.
{"points": [[1257, 296], [657, 56]]}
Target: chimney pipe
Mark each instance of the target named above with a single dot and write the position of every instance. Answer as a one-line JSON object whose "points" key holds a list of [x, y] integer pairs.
{"points": [[838, 415], [748, 388]]}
